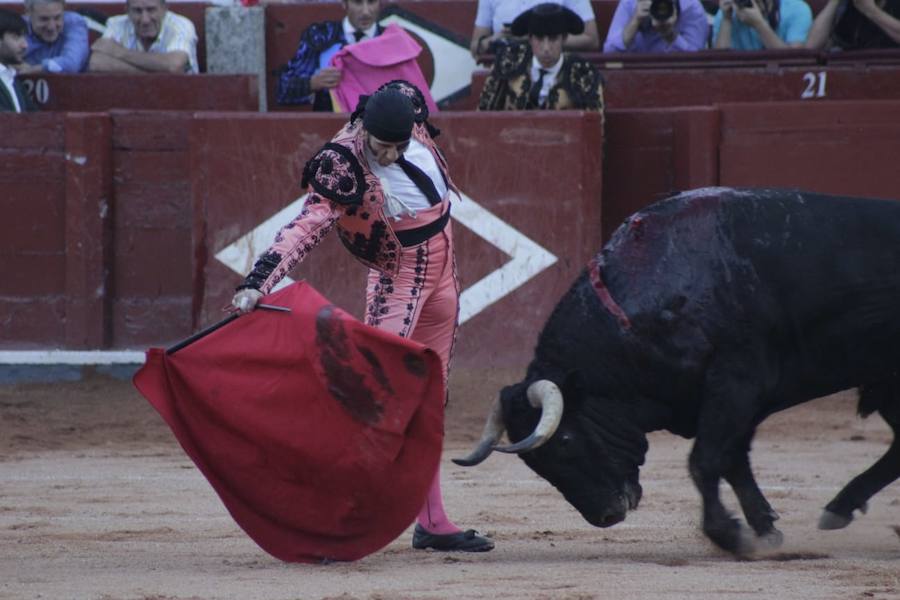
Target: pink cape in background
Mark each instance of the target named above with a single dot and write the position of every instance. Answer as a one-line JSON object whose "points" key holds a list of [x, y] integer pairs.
{"points": [[368, 65], [320, 434]]}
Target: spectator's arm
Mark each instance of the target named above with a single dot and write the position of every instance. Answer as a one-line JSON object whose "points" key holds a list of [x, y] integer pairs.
{"points": [[589, 40], [481, 37], [820, 32], [104, 63], [753, 17], [722, 25], [625, 22], [73, 56], [27, 69], [693, 28], [294, 85], [888, 24], [176, 61]]}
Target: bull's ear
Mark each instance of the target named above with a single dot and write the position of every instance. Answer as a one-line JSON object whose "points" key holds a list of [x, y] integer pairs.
{"points": [[573, 389]]}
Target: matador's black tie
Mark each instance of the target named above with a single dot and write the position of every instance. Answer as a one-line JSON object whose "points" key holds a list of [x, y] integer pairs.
{"points": [[534, 96]]}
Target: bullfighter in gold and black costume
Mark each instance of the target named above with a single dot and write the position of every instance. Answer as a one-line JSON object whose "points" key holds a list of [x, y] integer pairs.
{"points": [[537, 74]]}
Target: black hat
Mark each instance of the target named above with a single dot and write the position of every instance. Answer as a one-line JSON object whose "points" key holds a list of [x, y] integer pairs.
{"points": [[547, 19], [389, 115]]}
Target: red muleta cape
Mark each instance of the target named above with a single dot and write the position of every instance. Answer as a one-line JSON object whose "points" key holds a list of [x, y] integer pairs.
{"points": [[320, 434]]}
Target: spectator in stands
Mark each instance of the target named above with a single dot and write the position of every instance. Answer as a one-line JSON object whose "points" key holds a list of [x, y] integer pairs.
{"points": [[761, 24], [149, 38], [657, 26], [13, 45], [307, 78], [537, 74], [856, 24], [494, 18], [57, 38]]}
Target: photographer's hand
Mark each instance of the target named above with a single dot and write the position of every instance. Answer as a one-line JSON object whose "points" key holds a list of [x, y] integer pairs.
{"points": [[641, 14], [754, 17], [642, 9], [750, 15], [727, 8], [723, 38]]}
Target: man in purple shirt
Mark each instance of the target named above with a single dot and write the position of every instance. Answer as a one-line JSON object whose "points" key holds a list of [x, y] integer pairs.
{"points": [[658, 26], [57, 39]]}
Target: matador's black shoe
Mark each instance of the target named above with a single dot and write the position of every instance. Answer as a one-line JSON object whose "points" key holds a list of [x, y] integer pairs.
{"points": [[464, 541]]}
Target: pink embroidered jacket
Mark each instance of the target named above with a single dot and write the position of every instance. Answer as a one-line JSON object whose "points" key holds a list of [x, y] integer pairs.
{"points": [[346, 195]]}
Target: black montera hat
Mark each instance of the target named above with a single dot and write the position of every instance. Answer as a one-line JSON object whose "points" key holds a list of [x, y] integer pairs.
{"points": [[547, 19], [389, 115]]}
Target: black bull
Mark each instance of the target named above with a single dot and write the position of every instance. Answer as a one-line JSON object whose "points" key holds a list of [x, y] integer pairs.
{"points": [[703, 315]]}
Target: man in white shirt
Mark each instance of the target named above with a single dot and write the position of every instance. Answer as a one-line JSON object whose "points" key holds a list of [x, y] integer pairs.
{"points": [[13, 45], [148, 39]]}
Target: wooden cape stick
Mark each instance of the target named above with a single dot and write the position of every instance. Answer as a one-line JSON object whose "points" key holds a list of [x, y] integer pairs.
{"points": [[205, 332]]}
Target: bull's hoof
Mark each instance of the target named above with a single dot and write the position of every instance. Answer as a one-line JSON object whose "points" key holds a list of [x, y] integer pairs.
{"points": [[830, 520], [737, 539], [771, 540], [747, 543]]}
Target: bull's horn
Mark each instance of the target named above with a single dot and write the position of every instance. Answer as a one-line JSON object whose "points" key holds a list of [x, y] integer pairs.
{"points": [[543, 394], [493, 431]]}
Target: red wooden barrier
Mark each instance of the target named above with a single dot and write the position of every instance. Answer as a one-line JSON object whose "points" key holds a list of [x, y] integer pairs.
{"points": [[540, 175], [146, 91], [841, 147], [152, 220], [639, 88], [186, 185], [77, 270], [55, 177]]}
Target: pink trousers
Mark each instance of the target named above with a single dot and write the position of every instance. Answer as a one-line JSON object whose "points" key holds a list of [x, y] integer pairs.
{"points": [[421, 303]]}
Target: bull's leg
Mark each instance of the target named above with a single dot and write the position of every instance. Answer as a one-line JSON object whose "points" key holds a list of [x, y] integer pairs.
{"points": [[726, 424], [839, 512], [756, 508]]}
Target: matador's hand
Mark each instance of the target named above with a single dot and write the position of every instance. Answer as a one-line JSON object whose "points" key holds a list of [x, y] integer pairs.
{"points": [[245, 300]]}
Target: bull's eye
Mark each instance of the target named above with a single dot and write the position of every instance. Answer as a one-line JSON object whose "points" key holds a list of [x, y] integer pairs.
{"points": [[565, 442]]}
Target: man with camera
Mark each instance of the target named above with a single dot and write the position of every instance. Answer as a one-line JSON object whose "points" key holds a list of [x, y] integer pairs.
{"points": [[761, 24], [855, 25], [657, 26]]}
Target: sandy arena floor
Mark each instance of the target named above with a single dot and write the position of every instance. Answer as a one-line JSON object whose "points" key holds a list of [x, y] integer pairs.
{"points": [[98, 501]]}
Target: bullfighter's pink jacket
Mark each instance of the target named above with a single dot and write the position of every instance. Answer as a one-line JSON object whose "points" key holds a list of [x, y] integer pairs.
{"points": [[346, 194]]}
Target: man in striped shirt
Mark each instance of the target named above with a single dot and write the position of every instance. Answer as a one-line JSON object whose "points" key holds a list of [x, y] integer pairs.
{"points": [[149, 38]]}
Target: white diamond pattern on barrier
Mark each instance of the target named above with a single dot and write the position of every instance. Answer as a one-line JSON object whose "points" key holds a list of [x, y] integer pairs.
{"points": [[527, 257]]}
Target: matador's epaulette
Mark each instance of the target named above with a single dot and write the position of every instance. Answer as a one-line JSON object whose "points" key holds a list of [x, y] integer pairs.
{"points": [[512, 59], [335, 174], [583, 82]]}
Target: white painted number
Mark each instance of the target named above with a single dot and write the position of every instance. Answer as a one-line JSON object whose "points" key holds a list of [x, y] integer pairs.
{"points": [[38, 89], [815, 85]]}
